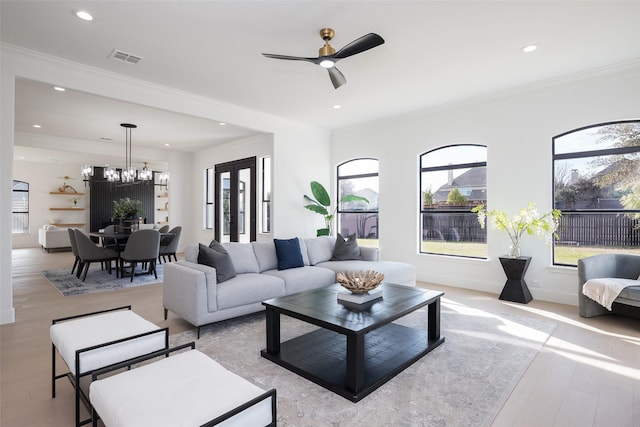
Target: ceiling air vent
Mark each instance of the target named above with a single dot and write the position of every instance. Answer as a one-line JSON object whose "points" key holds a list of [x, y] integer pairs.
{"points": [[124, 56]]}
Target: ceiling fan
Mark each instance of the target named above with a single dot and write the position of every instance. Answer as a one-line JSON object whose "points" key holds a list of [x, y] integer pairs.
{"points": [[327, 55]]}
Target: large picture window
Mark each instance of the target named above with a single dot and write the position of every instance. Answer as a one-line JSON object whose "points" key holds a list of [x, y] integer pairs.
{"points": [[359, 177], [20, 207], [596, 175], [453, 180]]}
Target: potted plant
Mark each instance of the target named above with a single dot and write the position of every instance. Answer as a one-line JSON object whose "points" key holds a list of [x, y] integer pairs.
{"points": [[528, 221], [125, 213], [322, 203]]}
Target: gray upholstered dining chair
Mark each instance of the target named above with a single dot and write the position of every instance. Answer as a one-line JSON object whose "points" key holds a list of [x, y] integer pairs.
{"points": [[169, 244], [143, 246], [74, 250], [163, 229], [89, 252]]}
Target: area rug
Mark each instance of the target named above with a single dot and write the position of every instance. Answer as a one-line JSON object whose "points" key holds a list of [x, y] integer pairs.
{"points": [[97, 280], [463, 382]]}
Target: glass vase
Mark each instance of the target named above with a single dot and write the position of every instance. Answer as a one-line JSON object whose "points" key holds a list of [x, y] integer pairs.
{"points": [[514, 250]]}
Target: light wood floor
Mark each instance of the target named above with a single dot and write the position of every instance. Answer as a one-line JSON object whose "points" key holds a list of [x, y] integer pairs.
{"points": [[587, 374]]}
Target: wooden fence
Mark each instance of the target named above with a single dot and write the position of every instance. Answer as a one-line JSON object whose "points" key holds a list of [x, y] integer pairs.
{"points": [[592, 229]]}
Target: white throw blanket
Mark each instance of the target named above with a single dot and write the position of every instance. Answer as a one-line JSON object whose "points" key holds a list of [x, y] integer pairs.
{"points": [[605, 290]]}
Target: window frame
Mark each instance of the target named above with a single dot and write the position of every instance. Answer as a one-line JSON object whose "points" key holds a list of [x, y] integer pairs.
{"points": [[340, 178], [425, 211], [585, 154], [25, 229]]}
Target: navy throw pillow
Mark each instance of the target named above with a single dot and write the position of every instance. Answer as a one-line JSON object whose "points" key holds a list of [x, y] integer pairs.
{"points": [[218, 260], [288, 253]]}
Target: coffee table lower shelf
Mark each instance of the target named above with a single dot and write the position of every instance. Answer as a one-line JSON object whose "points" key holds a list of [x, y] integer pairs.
{"points": [[320, 356]]}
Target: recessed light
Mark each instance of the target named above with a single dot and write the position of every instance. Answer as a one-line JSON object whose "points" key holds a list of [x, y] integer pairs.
{"points": [[167, 145], [37, 126], [337, 107], [222, 124], [529, 48], [84, 15], [59, 88]]}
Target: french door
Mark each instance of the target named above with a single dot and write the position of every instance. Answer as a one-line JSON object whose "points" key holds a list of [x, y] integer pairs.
{"points": [[235, 188]]}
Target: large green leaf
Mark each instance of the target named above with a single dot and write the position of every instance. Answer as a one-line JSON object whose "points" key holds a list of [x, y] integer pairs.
{"points": [[317, 209], [353, 198], [320, 194]]}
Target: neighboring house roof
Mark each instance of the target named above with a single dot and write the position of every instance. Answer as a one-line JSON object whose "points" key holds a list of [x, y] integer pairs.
{"points": [[472, 184]]}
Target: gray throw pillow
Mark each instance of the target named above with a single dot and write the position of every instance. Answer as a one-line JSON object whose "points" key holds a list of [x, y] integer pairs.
{"points": [[218, 260], [346, 249], [217, 246]]}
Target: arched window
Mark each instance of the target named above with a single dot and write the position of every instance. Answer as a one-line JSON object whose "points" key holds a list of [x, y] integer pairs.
{"points": [[359, 177], [596, 176], [20, 207], [453, 179]]}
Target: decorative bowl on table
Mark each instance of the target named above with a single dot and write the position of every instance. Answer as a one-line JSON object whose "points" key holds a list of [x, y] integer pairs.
{"points": [[360, 282]]}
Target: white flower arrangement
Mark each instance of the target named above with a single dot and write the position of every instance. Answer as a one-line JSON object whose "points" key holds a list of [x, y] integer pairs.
{"points": [[528, 220]]}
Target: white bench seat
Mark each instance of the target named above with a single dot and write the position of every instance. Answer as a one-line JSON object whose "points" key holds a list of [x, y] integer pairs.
{"points": [[85, 332], [96, 340], [186, 389]]}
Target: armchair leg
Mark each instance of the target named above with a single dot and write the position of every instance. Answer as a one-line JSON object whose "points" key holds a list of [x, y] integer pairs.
{"points": [[166, 312], [86, 270]]}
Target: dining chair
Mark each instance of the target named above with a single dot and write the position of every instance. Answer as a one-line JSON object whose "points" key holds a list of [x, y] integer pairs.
{"points": [[163, 229], [74, 250], [169, 244], [143, 246], [89, 252]]}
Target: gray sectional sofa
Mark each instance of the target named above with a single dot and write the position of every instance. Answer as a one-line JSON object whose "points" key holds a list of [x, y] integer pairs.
{"points": [[192, 292]]}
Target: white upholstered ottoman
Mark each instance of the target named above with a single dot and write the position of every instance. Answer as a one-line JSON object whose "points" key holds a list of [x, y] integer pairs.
{"points": [[95, 340], [184, 390]]}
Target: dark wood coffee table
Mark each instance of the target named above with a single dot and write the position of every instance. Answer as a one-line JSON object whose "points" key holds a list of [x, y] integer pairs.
{"points": [[357, 347]]}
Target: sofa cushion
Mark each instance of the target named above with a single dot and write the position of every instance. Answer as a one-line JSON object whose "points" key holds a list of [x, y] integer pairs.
{"points": [[247, 289], [288, 253], [303, 278], [243, 257], [303, 250], [191, 253], [221, 261], [399, 273], [320, 249], [346, 249], [266, 255]]}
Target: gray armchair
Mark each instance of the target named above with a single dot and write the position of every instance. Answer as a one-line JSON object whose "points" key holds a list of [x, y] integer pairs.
{"points": [[169, 244], [622, 266], [74, 249], [89, 252], [143, 246]]}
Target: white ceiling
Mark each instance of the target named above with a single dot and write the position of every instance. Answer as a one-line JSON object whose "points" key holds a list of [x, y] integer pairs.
{"points": [[436, 52]]}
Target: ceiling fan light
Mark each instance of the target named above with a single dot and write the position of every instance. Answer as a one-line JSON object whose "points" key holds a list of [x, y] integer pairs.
{"points": [[327, 63]]}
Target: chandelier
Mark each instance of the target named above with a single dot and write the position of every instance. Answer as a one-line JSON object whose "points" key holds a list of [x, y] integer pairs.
{"points": [[128, 174]]}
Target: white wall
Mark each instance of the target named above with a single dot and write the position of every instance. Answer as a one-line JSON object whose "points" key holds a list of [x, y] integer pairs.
{"points": [[302, 152], [517, 128], [42, 179]]}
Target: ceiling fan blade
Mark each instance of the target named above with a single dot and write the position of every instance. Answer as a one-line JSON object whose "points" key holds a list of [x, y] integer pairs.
{"points": [[291, 58], [337, 78], [366, 42]]}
